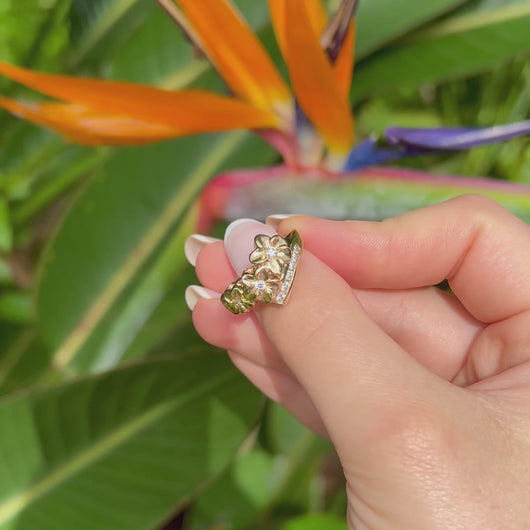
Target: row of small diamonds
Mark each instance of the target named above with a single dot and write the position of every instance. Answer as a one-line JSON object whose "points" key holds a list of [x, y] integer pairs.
{"points": [[289, 276]]}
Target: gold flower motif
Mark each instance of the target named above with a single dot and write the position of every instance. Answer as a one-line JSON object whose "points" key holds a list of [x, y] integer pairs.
{"points": [[262, 283], [238, 298], [273, 252]]}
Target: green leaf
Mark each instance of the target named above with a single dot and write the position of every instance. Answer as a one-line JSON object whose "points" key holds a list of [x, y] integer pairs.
{"points": [[380, 21], [118, 227], [262, 486], [456, 47], [6, 276], [100, 26], [236, 500], [285, 434], [16, 306], [120, 450], [31, 33], [23, 360], [106, 347], [110, 30], [315, 522], [170, 326], [6, 233]]}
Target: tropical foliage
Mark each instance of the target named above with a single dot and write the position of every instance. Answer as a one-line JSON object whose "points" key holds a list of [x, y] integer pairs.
{"points": [[113, 413]]}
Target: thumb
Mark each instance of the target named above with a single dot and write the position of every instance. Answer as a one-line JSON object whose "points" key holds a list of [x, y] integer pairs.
{"points": [[359, 379]]}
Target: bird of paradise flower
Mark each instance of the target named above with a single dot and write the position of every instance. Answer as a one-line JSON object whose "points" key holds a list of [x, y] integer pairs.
{"points": [[311, 126]]}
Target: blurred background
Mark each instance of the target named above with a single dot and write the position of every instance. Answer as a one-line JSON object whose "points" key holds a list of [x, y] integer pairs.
{"points": [[92, 270]]}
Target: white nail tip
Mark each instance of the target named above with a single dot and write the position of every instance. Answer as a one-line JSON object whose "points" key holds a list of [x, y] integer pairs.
{"points": [[235, 224], [193, 246], [275, 219], [194, 293]]}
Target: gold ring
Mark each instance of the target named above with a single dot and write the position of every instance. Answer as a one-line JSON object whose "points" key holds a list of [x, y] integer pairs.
{"points": [[271, 276]]}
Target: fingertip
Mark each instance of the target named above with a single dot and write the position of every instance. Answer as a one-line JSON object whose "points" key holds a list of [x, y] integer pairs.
{"points": [[194, 293], [194, 244], [213, 268], [274, 220]]}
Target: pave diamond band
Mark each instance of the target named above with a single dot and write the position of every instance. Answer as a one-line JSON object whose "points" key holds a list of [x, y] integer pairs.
{"points": [[271, 276], [285, 289]]}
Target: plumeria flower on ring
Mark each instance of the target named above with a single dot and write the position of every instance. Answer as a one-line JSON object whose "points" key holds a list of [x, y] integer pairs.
{"points": [[272, 252], [263, 283], [238, 297]]}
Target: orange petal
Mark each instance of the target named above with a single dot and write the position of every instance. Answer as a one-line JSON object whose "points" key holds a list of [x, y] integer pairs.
{"points": [[313, 79], [315, 11], [317, 15], [277, 12], [87, 126], [237, 53], [189, 111], [343, 67]]}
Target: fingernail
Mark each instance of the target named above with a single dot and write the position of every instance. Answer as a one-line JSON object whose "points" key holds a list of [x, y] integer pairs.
{"points": [[239, 241], [193, 246], [276, 219], [194, 293], [234, 224]]}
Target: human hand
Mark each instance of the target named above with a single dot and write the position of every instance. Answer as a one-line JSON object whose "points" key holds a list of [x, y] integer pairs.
{"points": [[424, 394]]}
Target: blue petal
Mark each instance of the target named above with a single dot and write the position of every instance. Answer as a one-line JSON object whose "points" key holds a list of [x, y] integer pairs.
{"points": [[369, 153], [402, 142]]}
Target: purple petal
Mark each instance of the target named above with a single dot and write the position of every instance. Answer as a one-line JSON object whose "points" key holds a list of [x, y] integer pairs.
{"points": [[401, 142], [454, 138]]}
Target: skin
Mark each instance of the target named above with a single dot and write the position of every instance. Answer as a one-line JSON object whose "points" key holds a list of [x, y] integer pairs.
{"points": [[423, 393]]}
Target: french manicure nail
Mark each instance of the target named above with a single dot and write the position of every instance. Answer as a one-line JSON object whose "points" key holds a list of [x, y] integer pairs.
{"points": [[234, 224], [193, 246], [239, 241], [194, 293], [275, 219]]}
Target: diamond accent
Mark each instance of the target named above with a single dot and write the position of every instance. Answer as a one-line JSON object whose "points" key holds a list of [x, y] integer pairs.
{"points": [[271, 276], [288, 277], [271, 252]]}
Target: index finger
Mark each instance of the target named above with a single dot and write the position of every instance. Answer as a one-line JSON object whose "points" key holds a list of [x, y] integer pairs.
{"points": [[478, 246]]}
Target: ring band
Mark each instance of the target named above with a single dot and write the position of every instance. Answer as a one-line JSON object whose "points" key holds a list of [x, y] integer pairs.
{"points": [[271, 276]]}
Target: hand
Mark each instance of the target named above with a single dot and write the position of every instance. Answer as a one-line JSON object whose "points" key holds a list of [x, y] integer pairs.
{"points": [[424, 394]]}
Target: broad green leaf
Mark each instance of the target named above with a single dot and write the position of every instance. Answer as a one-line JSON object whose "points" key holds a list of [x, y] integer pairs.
{"points": [[120, 450], [98, 27], [285, 434], [380, 21], [169, 327], [16, 306], [262, 485], [105, 348], [316, 522], [236, 500], [301, 453], [118, 227], [6, 233], [101, 27], [55, 174], [31, 33], [6, 276], [23, 360], [456, 47], [157, 53]]}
